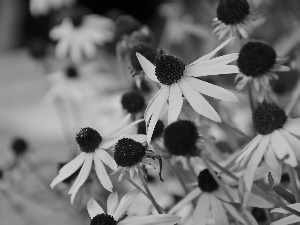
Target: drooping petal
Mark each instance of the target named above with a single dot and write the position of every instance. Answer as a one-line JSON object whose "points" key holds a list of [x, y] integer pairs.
{"points": [[106, 158], [68, 169], [160, 219], [102, 174], [287, 220], [218, 211], [201, 212], [82, 176], [125, 204], [218, 61], [293, 126], [112, 203], [147, 66], [198, 102], [175, 103], [153, 103], [249, 149], [211, 90], [94, 208], [271, 159], [293, 141]]}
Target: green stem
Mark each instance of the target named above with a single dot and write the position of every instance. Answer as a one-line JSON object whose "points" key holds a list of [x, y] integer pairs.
{"points": [[237, 130], [136, 186], [294, 183]]}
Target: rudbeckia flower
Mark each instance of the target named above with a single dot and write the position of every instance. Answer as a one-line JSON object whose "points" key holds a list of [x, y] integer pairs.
{"points": [[233, 16], [93, 147], [258, 63], [80, 36], [42, 7], [116, 211], [276, 141], [290, 219], [176, 80]]}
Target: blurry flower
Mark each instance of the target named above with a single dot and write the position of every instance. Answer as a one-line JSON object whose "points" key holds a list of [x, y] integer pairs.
{"points": [[158, 130], [80, 35], [19, 146], [133, 101], [42, 7], [177, 79], [37, 47], [93, 147], [233, 16], [276, 140], [132, 156], [116, 212], [258, 63], [290, 219]]}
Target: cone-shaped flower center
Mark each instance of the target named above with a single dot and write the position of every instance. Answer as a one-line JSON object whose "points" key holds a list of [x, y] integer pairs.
{"points": [[180, 138], [133, 101], [71, 72], [19, 146], [88, 139], [128, 152], [268, 117], [256, 59], [169, 69], [158, 130], [146, 51], [232, 12], [103, 219], [207, 182]]}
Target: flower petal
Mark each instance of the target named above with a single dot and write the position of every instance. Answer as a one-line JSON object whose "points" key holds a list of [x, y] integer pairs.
{"points": [[147, 66], [211, 90], [175, 103], [112, 203], [94, 208], [293, 141], [218, 211], [196, 71], [102, 174], [160, 219], [198, 102], [295, 206], [142, 138], [293, 126], [106, 158], [69, 169], [153, 103], [121, 124], [287, 220], [218, 61], [201, 212]]}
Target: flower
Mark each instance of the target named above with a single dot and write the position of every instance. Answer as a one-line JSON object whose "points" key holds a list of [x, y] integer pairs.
{"points": [[42, 7], [79, 36], [19, 146], [158, 130], [276, 140], [177, 79], [291, 219], [132, 156], [115, 213], [133, 101], [233, 16], [93, 147], [258, 63]]}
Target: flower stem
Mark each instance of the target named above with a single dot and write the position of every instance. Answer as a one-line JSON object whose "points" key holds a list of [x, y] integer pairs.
{"points": [[294, 183], [250, 95], [150, 196], [237, 130], [136, 186]]}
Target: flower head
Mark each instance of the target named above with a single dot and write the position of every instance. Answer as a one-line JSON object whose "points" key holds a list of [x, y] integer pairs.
{"points": [[19, 146], [158, 130], [116, 211], [177, 79], [133, 101]]}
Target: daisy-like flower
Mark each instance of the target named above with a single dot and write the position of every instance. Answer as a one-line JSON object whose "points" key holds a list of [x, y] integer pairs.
{"points": [[93, 147], [176, 80], [80, 35], [132, 155], [258, 63], [233, 17], [291, 219], [42, 7], [116, 211], [276, 141]]}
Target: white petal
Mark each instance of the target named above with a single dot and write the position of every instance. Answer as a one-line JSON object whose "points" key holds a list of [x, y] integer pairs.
{"points": [[102, 174], [271, 159], [218, 61], [112, 203], [188, 198], [142, 138], [210, 55], [106, 158], [69, 169], [94, 208], [153, 103], [82, 176], [147, 66], [249, 149], [295, 206], [162, 100], [293, 126], [125, 204], [211, 90], [161, 219], [293, 141], [175, 103], [256, 201], [201, 212], [198, 102], [287, 220], [196, 71], [218, 211]]}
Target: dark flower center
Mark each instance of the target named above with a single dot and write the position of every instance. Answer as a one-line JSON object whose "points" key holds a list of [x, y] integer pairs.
{"points": [[180, 138], [158, 130], [19, 146], [88, 139], [207, 182], [259, 214], [256, 59], [128, 152], [169, 69], [133, 101], [71, 72], [232, 11], [103, 219], [268, 117], [146, 51]]}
